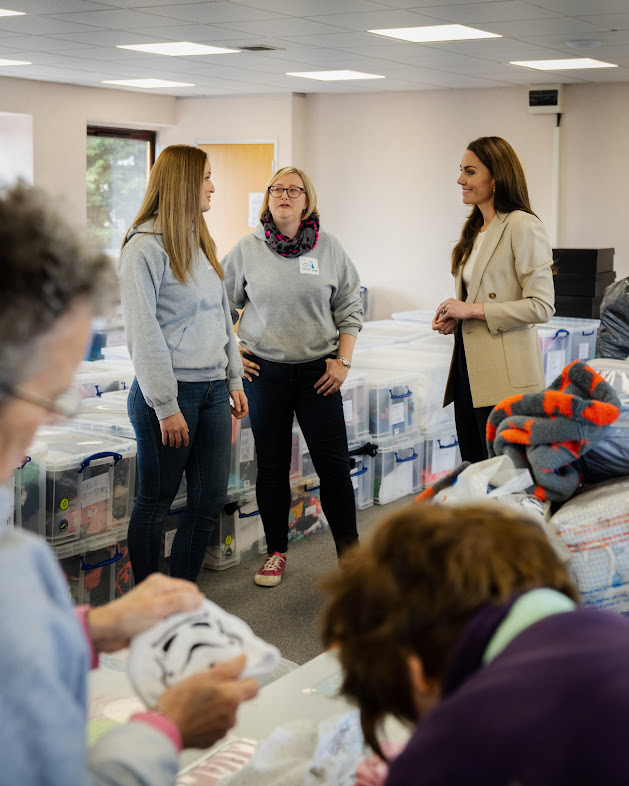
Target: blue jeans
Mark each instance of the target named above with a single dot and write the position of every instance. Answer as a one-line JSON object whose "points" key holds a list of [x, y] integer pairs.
{"points": [[205, 406], [281, 390]]}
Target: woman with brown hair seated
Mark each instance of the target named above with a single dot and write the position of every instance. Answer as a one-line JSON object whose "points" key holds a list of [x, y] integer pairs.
{"points": [[463, 621]]}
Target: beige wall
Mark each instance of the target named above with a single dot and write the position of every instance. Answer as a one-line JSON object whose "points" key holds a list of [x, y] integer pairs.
{"points": [[60, 116], [385, 165]]}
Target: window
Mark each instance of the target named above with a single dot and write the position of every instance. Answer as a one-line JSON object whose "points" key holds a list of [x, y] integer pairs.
{"points": [[118, 164]]}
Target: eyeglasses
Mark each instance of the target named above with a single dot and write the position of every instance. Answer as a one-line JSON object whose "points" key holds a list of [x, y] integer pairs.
{"points": [[294, 192], [68, 404]]}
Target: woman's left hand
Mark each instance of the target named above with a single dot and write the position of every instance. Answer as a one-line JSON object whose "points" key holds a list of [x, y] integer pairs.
{"points": [[241, 405], [335, 374]]}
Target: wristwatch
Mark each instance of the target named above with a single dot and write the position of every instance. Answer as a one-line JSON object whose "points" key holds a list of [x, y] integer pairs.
{"points": [[344, 361]]}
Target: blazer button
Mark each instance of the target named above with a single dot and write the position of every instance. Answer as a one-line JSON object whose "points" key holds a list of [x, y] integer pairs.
{"points": [[492, 295]]}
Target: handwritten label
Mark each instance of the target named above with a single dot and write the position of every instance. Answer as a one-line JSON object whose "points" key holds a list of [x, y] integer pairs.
{"points": [[397, 414], [309, 265], [95, 490], [555, 361], [7, 511], [168, 541], [247, 445], [348, 410], [311, 510], [584, 351]]}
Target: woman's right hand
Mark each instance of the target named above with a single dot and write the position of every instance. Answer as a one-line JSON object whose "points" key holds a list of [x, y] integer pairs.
{"points": [[442, 325], [174, 431], [251, 369]]}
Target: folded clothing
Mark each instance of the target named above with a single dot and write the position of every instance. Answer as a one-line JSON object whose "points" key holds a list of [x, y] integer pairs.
{"points": [[187, 643], [547, 432]]}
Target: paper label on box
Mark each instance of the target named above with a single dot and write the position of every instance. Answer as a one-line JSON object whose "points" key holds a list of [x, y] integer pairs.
{"points": [[355, 481], [311, 510], [247, 445], [396, 413], [95, 490], [168, 541], [347, 410], [7, 502], [404, 478], [584, 351], [443, 458], [555, 361]]}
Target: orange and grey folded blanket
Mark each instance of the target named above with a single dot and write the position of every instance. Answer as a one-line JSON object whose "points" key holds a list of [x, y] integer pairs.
{"points": [[547, 432]]}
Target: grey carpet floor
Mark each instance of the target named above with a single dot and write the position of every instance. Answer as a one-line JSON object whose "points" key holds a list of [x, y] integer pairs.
{"points": [[288, 615]]}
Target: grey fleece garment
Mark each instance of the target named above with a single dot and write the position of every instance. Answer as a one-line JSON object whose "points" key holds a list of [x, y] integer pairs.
{"points": [[293, 316], [175, 332]]}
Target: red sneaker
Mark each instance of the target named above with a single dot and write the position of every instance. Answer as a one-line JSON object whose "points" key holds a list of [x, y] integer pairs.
{"points": [[270, 574]]}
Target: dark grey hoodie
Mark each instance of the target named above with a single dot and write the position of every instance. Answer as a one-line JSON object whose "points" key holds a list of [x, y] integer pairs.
{"points": [[175, 332]]}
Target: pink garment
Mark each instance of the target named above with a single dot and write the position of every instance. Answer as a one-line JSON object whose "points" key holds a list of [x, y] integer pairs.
{"points": [[373, 771]]}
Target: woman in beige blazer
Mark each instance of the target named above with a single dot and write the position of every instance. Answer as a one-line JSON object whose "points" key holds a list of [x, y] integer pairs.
{"points": [[504, 286]]}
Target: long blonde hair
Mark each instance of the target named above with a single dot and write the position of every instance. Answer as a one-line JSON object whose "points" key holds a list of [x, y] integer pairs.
{"points": [[172, 200], [311, 194]]}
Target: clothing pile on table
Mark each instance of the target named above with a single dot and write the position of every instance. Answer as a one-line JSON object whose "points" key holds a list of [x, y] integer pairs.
{"points": [[563, 456]]}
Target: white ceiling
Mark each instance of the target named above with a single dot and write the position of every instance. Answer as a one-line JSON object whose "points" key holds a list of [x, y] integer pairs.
{"points": [[74, 41]]}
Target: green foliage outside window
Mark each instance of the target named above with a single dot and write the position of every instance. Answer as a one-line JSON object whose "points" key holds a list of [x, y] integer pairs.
{"points": [[117, 173]]}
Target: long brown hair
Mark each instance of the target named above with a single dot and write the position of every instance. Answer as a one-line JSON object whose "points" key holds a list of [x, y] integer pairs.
{"points": [[415, 586], [511, 190], [172, 200]]}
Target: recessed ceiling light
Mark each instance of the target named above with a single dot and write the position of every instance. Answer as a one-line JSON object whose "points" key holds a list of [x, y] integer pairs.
{"points": [[333, 76], [14, 62], [4, 12], [179, 49], [150, 83], [433, 33], [563, 65]]}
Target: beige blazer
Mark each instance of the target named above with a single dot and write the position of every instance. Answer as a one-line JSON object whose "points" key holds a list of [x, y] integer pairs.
{"points": [[512, 276]]}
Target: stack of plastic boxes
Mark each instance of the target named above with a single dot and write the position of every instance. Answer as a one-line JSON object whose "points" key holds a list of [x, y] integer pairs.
{"points": [[89, 487], [93, 378]]}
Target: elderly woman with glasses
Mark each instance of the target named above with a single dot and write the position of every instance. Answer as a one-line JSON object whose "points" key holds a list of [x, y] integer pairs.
{"points": [[301, 312]]}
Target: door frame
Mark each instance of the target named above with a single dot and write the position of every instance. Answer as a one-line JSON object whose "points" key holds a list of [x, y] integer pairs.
{"points": [[273, 142]]}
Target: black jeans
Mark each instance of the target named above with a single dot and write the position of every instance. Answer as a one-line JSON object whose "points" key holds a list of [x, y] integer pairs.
{"points": [[471, 421], [281, 390]]}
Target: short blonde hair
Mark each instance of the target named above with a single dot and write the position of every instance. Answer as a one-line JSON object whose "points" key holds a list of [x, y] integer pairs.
{"points": [[311, 194]]}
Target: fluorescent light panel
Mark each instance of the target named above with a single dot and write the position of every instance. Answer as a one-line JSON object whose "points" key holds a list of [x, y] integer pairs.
{"points": [[179, 49], [5, 12], [562, 65], [333, 76], [434, 33], [148, 83], [14, 62]]}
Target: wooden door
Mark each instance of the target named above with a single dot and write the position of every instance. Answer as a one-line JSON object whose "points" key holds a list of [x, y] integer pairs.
{"points": [[237, 170]]}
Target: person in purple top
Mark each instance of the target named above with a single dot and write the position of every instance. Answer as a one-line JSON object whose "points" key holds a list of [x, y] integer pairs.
{"points": [[463, 621]]}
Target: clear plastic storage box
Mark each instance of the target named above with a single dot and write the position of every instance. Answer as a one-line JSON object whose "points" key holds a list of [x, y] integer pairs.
{"points": [[583, 334], [555, 343], [100, 576], [245, 450], [398, 468], [355, 405], [391, 403], [393, 330], [93, 378], [29, 490], [238, 535], [441, 455], [361, 473], [90, 482], [306, 515]]}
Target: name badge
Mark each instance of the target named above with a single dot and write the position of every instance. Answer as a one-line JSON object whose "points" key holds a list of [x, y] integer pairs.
{"points": [[309, 265]]}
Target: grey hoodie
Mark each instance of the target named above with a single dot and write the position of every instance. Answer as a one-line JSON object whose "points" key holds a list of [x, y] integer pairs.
{"points": [[294, 308], [175, 332]]}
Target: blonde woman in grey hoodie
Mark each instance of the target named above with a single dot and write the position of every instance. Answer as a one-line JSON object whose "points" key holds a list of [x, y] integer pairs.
{"points": [[182, 344]]}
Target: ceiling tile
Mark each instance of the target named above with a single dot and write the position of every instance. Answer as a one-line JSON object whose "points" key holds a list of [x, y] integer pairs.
{"points": [[53, 6], [376, 20], [477, 13], [580, 7], [611, 21], [285, 26], [117, 19], [36, 43], [530, 27], [316, 7], [215, 12], [41, 25]]}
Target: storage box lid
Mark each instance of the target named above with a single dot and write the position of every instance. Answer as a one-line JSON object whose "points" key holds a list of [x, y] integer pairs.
{"points": [[69, 447]]}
